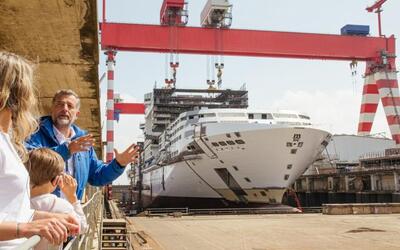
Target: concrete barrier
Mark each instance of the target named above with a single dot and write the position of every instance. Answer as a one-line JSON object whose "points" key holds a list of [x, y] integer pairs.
{"points": [[361, 208]]}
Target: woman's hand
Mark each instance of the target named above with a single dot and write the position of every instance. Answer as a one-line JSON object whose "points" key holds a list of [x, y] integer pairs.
{"points": [[69, 221], [51, 229]]}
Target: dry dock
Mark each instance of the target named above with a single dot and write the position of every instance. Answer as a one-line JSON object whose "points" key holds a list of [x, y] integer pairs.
{"points": [[262, 232]]}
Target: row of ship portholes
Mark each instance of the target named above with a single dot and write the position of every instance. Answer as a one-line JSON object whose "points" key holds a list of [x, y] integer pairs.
{"points": [[228, 143]]}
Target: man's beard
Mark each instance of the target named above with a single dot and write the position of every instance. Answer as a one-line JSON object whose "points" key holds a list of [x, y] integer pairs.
{"points": [[64, 122]]}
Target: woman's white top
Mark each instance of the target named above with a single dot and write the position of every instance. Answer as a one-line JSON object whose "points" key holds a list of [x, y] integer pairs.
{"points": [[14, 189]]}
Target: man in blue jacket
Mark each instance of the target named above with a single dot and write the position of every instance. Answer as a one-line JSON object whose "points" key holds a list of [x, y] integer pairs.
{"points": [[59, 133]]}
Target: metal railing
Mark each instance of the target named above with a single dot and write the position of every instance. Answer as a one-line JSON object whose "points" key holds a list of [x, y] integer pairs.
{"points": [[93, 210], [217, 211]]}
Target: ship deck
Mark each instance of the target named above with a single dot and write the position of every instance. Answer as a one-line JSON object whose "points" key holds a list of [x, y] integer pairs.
{"points": [[259, 232]]}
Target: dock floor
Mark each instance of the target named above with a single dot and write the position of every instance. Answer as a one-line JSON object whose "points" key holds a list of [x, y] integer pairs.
{"points": [[262, 232]]}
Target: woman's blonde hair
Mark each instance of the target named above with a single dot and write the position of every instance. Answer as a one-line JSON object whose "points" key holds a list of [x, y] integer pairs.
{"points": [[18, 94]]}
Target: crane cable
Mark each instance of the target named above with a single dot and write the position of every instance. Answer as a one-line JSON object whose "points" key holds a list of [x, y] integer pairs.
{"points": [[171, 68], [353, 68]]}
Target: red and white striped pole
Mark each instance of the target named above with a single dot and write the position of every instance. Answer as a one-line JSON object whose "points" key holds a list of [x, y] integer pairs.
{"points": [[369, 103], [110, 113], [380, 84], [389, 92], [110, 105]]}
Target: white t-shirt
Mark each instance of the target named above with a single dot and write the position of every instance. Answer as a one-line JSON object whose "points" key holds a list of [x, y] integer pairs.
{"points": [[14, 189], [51, 203]]}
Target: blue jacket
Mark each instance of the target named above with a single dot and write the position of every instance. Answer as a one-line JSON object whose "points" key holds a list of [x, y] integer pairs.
{"points": [[87, 167]]}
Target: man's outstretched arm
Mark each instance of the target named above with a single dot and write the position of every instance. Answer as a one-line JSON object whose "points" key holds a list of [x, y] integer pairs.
{"points": [[101, 173]]}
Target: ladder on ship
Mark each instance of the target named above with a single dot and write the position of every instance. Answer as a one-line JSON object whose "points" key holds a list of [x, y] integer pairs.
{"points": [[114, 235]]}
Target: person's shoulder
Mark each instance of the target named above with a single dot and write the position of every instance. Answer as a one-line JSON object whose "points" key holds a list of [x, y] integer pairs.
{"points": [[43, 202], [4, 139], [45, 129], [62, 206], [45, 121], [45, 124]]}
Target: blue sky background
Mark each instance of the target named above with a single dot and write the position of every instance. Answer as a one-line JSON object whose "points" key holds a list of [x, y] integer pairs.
{"points": [[323, 89]]}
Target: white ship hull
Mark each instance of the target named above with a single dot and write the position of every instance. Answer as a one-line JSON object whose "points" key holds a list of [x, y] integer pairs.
{"points": [[263, 161]]}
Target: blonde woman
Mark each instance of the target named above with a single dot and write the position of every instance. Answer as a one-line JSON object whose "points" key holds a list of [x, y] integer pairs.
{"points": [[17, 219]]}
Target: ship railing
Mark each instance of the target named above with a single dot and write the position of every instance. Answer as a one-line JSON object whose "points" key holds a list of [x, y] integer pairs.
{"points": [[244, 210], [93, 210]]}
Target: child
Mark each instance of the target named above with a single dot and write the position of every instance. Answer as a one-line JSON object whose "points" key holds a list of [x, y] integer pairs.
{"points": [[45, 168]]}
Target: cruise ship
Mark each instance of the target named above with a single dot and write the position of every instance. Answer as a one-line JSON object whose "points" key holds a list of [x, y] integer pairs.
{"points": [[205, 148]]}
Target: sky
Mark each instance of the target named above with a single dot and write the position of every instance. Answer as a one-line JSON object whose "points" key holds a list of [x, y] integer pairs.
{"points": [[325, 90]]}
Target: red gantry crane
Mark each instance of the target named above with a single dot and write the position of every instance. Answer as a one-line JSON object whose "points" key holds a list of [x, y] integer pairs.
{"points": [[172, 36]]}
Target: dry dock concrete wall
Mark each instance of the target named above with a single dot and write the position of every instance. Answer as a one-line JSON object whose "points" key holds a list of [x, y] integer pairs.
{"points": [[61, 37]]}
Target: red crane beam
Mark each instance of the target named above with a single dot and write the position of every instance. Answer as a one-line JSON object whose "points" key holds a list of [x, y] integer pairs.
{"points": [[240, 42], [129, 108]]}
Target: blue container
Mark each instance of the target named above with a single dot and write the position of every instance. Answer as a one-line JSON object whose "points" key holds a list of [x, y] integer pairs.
{"points": [[355, 30]]}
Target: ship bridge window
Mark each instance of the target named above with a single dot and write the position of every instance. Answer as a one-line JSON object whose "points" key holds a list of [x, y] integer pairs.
{"points": [[281, 115], [230, 142], [247, 179], [251, 116], [222, 143], [215, 144], [210, 115], [291, 123], [231, 114], [239, 141], [266, 116], [304, 117]]}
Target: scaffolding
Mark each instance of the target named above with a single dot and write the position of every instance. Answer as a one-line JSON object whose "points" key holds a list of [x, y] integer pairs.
{"points": [[165, 105]]}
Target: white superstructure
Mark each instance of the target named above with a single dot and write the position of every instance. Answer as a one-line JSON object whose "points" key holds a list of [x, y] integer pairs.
{"points": [[223, 153]]}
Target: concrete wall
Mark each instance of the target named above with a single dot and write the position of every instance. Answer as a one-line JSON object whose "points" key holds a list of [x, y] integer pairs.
{"points": [[349, 148], [61, 38]]}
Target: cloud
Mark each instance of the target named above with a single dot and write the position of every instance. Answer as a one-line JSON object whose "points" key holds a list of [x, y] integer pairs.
{"points": [[335, 111]]}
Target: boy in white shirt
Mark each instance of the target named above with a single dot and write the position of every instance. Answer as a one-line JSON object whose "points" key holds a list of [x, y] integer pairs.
{"points": [[45, 169]]}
